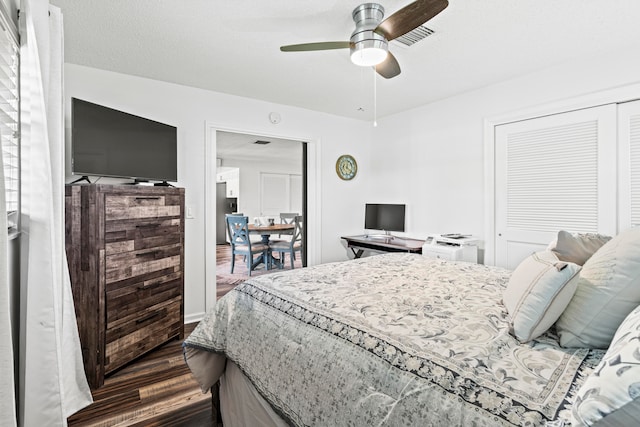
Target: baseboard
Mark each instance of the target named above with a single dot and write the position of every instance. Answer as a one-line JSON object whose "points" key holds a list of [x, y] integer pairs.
{"points": [[193, 318]]}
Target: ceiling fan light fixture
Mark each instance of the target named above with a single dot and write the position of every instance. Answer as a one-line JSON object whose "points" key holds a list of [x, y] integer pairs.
{"points": [[368, 48], [369, 41], [367, 53]]}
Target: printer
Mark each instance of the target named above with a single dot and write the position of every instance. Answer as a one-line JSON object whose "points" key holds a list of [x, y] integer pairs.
{"points": [[451, 247]]}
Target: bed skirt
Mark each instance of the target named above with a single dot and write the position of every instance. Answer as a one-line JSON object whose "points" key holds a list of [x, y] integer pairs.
{"points": [[236, 402]]}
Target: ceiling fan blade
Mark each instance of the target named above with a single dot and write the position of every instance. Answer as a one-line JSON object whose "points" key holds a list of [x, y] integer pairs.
{"points": [[389, 67], [315, 46], [410, 17]]}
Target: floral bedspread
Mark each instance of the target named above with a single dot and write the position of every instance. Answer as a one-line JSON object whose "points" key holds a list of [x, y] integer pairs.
{"points": [[393, 339]]}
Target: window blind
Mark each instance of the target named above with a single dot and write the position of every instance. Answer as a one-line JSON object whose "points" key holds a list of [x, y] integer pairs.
{"points": [[552, 178], [9, 114]]}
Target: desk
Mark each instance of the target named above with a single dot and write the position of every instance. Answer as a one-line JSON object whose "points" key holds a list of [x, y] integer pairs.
{"points": [[266, 231], [359, 244]]}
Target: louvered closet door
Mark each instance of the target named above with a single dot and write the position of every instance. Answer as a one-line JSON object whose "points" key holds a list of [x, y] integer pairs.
{"points": [[552, 173], [629, 163]]}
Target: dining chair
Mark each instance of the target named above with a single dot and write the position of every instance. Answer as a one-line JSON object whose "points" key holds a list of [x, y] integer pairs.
{"points": [[290, 246], [287, 218], [225, 219], [241, 244]]}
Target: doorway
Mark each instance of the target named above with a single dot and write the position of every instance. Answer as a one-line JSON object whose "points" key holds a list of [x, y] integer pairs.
{"points": [[286, 165]]}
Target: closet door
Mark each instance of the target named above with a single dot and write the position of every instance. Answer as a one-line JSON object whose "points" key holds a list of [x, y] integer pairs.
{"points": [[274, 194], [629, 164], [554, 173]]}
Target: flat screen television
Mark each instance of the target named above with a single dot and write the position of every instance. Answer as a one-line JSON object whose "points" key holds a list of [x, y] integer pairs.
{"points": [[112, 143], [385, 217]]}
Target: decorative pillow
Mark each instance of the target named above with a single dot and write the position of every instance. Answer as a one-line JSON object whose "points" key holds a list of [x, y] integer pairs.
{"points": [[608, 289], [578, 248], [616, 380], [539, 289]]}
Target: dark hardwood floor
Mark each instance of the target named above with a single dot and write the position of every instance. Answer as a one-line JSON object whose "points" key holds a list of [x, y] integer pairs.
{"points": [[225, 281], [155, 390]]}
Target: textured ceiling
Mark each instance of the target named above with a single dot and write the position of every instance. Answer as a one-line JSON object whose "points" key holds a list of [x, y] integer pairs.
{"points": [[233, 46], [230, 145]]}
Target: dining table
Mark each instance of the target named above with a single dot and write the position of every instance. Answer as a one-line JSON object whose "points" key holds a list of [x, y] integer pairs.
{"points": [[265, 231]]}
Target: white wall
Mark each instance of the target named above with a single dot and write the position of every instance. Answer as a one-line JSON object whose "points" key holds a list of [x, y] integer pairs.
{"points": [[250, 170], [190, 109], [432, 157]]}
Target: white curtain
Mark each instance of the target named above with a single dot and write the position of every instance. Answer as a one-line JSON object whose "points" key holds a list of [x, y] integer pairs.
{"points": [[7, 385], [52, 381]]}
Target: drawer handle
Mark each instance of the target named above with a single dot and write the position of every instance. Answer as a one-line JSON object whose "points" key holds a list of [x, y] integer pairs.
{"points": [[149, 317], [147, 198], [147, 253]]}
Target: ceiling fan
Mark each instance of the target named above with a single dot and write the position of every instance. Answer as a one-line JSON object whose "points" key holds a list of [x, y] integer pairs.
{"points": [[369, 42]]}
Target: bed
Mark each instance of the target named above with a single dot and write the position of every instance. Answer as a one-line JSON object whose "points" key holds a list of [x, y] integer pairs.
{"points": [[392, 339]]}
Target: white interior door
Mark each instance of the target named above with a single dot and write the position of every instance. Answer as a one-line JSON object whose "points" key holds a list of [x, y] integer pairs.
{"points": [[629, 164], [274, 194], [554, 173]]}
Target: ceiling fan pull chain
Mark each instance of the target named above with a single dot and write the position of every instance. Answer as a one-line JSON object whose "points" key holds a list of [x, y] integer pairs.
{"points": [[375, 99]]}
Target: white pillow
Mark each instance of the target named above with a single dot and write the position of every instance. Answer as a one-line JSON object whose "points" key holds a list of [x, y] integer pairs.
{"points": [[616, 380], [538, 291], [608, 289], [579, 247]]}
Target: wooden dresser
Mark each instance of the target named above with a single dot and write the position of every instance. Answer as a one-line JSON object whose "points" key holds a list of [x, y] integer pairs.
{"points": [[125, 249]]}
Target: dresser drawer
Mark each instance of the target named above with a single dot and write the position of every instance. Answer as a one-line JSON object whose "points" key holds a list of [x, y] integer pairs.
{"points": [[139, 206], [137, 234], [132, 298], [128, 265], [142, 332]]}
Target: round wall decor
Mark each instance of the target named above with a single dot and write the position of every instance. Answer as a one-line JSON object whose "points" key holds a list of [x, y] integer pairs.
{"points": [[346, 167]]}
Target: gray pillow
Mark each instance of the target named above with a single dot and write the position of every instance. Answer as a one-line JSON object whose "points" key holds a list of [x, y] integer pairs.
{"points": [[615, 382], [608, 289], [578, 248]]}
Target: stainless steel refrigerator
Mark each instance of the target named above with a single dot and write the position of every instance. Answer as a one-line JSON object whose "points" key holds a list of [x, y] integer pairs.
{"points": [[224, 205]]}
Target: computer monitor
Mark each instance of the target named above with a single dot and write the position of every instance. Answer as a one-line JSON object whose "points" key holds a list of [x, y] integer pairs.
{"points": [[384, 216]]}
